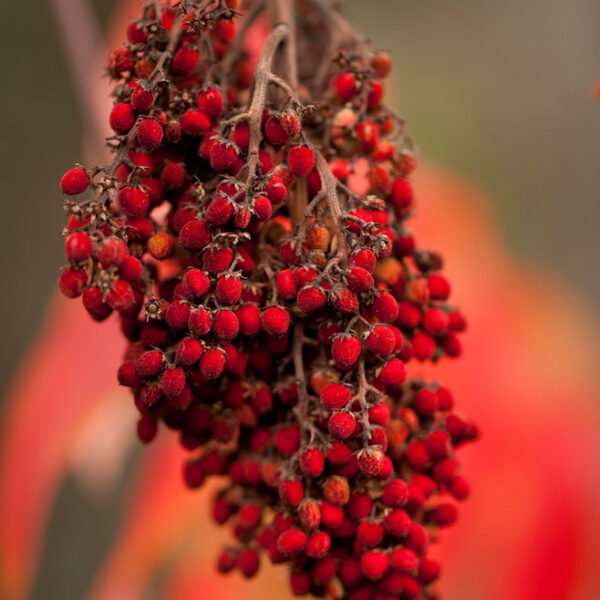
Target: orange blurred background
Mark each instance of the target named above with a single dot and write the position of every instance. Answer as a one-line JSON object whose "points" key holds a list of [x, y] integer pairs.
{"points": [[500, 94]]}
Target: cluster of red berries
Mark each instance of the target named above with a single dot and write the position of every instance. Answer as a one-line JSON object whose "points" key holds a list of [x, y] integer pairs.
{"points": [[250, 236]]}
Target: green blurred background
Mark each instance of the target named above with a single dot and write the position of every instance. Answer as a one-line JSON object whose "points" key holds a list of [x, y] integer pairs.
{"points": [[498, 91]]}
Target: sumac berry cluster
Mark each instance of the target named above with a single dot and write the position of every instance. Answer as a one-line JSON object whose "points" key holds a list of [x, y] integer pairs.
{"points": [[250, 237]]}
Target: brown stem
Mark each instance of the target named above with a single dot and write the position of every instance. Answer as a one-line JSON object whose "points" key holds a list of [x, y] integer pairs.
{"points": [[329, 190], [255, 111], [283, 11]]}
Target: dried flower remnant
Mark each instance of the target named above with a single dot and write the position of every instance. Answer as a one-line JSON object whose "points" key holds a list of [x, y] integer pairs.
{"points": [[250, 235]]}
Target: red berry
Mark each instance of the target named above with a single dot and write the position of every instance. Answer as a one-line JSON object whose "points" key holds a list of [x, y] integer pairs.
{"points": [[72, 282], [210, 101], [222, 155], [248, 562], [142, 100], [75, 181], [370, 533], [113, 251], [78, 246], [194, 235], [149, 364], [276, 190], [217, 260], [311, 299], [122, 117], [404, 560], [172, 382], [381, 340], [212, 363], [275, 133], [374, 564], [359, 279], [177, 315], [287, 440], [200, 322], [393, 373], [185, 60], [344, 300], [94, 303], [149, 134], [335, 396], [341, 425], [189, 351], [292, 541], [172, 177], [228, 290], [291, 491], [370, 461], [397, 523], [219, 211], [134, 201], [262, 207], [401, 195], [312, 462], [318, 546], [346, 87], [395, 494], [226, 325], [301, 160], [275, 320], [345, 351], [120, 60], [194, 123], [249, 318], [364, 259], [120, 296]]}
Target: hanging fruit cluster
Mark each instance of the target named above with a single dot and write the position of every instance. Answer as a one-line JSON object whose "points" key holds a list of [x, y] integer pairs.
{"points": [[250, 237]]}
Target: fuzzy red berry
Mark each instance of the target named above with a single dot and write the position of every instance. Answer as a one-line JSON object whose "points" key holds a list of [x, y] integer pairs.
{"points": [[189, 351], [359, 279], [341, 425], [194, 123], [292, 541], [222, 155], [212, 363], [370, 461], [312, 462], [381, 340], [346, 87], [72, 282], [318, 545], [172, 382], [78, 246], [149, 134], [335, 396], [75, 181], [374, 564], [142, 100], [226, 325], [194, 235], [276, 190], [275, 320], [210, 102], [311, 299], [370, 533], [393, 373], [120, 295], [185, 60], [345, 351], [301, 160], [219, 211]]}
